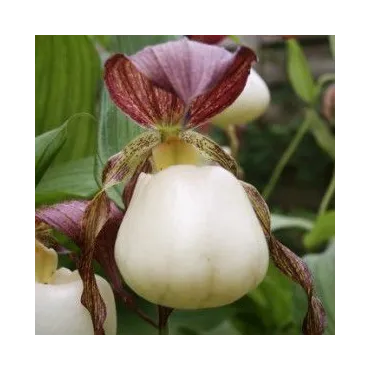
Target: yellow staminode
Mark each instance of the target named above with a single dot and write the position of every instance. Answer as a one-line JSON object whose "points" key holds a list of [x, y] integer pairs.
{"points": [[46, 263], [174, 151]]}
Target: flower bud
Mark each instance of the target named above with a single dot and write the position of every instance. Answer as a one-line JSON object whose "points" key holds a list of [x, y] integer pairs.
{"points": [[250, 104], [59, 309], [190, 239]]}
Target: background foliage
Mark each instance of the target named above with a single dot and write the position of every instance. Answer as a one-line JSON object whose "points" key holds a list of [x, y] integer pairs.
{"points": [[78, 128]]}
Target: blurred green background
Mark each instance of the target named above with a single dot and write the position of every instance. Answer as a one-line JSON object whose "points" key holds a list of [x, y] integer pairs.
{"points": [[78, 128]]}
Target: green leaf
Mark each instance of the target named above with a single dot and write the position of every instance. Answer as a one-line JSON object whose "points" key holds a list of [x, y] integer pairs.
{"points": [[67, 181], [299, 72], [67, 77], [268, 309], [323, 136], [286, 222], [225, 328], [103, 40], [199, 321], [332, 45], [322, 267], [323, 230], [116, 130], [47, 146]]}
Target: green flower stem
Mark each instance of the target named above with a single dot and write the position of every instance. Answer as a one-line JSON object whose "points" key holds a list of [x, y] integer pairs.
{"points": [[327, 196], [236, 39], [163, 317], [233, 140], [164, 330], [285, 157]]}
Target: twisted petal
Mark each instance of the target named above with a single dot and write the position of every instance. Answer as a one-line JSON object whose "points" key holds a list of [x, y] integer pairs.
{"points": [[290, 264], [137, 96]]}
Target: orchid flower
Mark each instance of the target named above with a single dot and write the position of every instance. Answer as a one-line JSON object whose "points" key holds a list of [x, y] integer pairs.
{"points": [[58, 309], [192, 235]]}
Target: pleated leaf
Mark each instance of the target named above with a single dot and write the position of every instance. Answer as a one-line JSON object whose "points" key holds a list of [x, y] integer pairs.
{"points": [[66, 79], [47, 146]]}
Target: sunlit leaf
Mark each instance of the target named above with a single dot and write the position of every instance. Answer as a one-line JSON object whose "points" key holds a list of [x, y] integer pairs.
{"points": [[299, 72], [322, 231], [67, 78], [47, 146]]}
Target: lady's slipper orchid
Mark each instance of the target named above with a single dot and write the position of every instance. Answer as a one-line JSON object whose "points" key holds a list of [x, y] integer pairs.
{"points": [[251, 103], [189, 233], [190, 239], [58, 295]]}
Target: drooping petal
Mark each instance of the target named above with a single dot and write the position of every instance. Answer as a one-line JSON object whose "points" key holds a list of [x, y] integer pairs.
{"points": [[210, 150], [119, 168], [290, 265], [137, 96], [190, 69], [128, 191], [295, 268], [207, 39], [226, 91]]}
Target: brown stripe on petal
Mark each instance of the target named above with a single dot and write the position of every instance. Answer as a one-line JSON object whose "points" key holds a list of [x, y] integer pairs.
{"points": [[295, 268], [119, 168], [210, 150], [289, 264], [123, 164], [186, 68], [226, 91], [137, 96], [95, 217], [260, 207]]}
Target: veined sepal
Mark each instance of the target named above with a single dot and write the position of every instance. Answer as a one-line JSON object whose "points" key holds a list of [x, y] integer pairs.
{"points": [[210, 150], [290, 265]]}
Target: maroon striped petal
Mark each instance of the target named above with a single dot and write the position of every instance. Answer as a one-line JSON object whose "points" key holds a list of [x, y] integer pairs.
{"points": [[226, 91], [207, 39], [138, 97], [289, 264], [186, 68]]}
